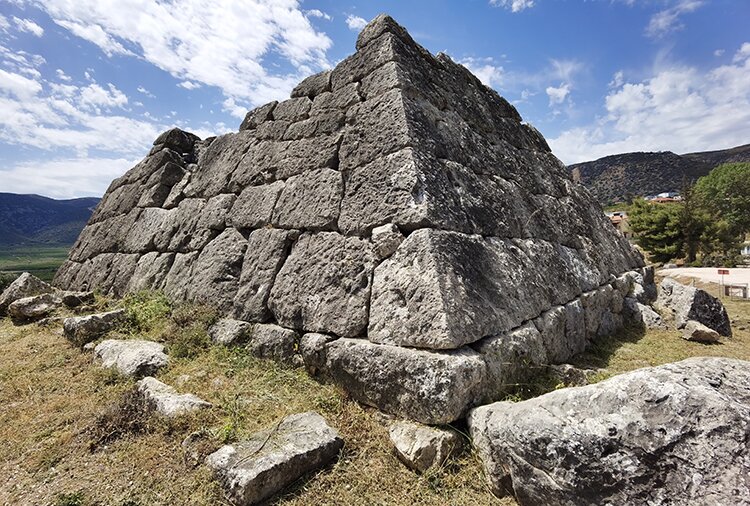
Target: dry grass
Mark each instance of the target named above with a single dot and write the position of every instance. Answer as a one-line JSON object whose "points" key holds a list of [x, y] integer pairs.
{"points": [[634, 349], [55, 405]]}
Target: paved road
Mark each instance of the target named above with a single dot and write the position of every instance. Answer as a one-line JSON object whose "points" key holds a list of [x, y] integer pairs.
{"points": [[709, 274]]}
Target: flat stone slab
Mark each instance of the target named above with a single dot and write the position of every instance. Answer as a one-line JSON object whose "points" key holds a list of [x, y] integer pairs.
{"points": [[28, 309], [421, 447], [674, 434], [83, 329], [167, 401], [131, 357], [253, 470]]}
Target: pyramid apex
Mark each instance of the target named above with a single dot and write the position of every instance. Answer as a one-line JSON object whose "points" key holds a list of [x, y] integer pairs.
{"points": [[381, 24]]}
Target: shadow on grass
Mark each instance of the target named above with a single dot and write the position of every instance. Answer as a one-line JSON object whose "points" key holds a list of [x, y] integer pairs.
{"points": [[603, 348]]}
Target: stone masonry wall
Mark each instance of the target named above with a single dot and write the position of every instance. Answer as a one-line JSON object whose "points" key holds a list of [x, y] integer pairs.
{"points": [[394, 204]]}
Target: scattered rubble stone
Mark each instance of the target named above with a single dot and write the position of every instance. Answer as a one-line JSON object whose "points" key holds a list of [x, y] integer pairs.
{"points": [[131, 357], [167, 401], [253, 470], [421, 447]]}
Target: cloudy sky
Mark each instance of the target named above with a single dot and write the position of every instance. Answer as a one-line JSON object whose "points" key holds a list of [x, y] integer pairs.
{"points": [[87, 85]]}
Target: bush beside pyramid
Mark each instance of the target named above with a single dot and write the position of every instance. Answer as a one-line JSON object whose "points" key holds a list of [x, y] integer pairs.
{"points": [[394, 204]]}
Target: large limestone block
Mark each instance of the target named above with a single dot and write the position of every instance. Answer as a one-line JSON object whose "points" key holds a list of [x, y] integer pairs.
{"points": [[254, 206], [426, 386], [253, 470], [442, 290], [150, 272], [310, 201], [267, 249], [25, 285], [324, 285], [216, 273], [272, 342], [218, 163], [268, 160], [690, 303], [674, 434], [228, 331]]}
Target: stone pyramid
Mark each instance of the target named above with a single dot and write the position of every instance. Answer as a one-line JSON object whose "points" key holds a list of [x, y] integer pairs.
{"points": [[425, 243]]}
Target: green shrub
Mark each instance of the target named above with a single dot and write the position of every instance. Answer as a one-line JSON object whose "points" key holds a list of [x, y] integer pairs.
{"points": [[186, 334], [71, 499], [146, 309]]}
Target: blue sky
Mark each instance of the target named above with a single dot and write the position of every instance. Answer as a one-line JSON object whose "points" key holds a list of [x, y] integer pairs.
{"points": [[87, 85]]}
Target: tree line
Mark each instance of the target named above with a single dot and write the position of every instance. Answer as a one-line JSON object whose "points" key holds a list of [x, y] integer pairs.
{"points": [[705, 228]]}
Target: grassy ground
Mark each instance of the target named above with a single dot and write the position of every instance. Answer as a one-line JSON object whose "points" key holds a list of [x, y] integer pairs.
{"points": [[55, 403], [53, 399], [41, 261], [632, 349]]}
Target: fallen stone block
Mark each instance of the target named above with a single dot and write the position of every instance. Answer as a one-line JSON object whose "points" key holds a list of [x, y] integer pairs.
{"points": [[83, 329], [253, 470], [690, 303], [76, 299], [695, 331], [167, 401], [26, 285], [421, 447], [673, 434], [33, 308], [132, 357]]}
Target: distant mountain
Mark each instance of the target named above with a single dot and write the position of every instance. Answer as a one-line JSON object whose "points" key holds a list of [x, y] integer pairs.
{"points": [[619, 177], [32, 219]]}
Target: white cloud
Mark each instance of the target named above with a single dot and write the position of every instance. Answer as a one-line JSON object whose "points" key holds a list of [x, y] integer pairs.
{"points": [[513, 5], [557, 95], [4, 23], [94, 96], [61, 75], [485, 69], [28, 26], [355, 23], [680, 109], [222, 43], [668, 20], [64, 178], [189, 85], [317, 13], [719, 52], [20, 87], [143, 90], [95, 34], [52, 115]]}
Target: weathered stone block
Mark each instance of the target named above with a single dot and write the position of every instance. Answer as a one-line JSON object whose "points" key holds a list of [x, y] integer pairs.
{"points": [[310, 201], [324, 285]]}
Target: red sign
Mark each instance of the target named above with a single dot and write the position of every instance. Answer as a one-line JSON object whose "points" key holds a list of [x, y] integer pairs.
{"points": [[723, 271]]}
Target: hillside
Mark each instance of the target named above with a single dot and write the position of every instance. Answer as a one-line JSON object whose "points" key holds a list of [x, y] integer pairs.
{"points": [[617, 178], [27, 220]]}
